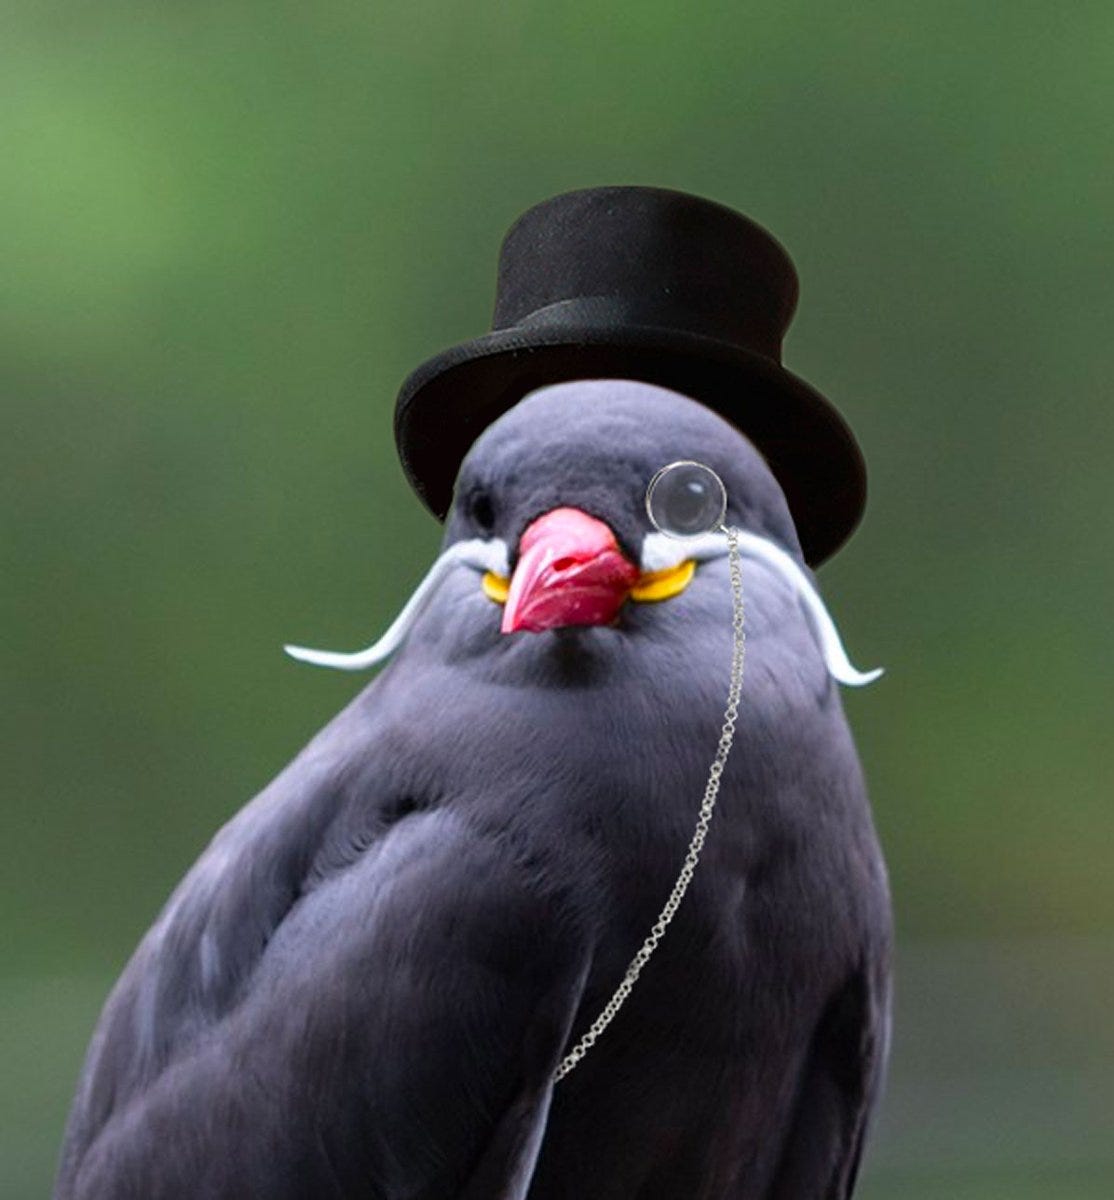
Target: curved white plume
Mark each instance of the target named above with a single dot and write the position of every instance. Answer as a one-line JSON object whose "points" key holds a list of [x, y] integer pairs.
{"points": [[660, 551], [482, 555]]}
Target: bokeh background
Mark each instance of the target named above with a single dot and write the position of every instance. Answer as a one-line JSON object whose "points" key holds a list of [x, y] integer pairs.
{"points": [[227, 232]]}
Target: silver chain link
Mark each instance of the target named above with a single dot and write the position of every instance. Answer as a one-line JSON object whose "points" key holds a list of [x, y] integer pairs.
{"points": [[710, 792]]}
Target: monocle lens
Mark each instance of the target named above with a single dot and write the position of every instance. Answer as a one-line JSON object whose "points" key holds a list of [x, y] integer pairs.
{"points": [[686, 498]]}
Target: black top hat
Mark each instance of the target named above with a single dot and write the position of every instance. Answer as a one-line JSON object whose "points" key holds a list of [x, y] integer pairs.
{"points": [[651, 284]]}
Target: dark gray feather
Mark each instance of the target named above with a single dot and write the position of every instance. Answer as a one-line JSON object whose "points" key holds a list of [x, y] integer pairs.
{"points": [[364, 985]]}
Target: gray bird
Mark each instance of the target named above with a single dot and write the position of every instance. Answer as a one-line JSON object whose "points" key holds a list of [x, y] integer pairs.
{"points": [[364, 986]]}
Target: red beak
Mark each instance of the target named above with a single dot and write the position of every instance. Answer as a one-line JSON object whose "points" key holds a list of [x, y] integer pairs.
{"points": [[570, 571]]}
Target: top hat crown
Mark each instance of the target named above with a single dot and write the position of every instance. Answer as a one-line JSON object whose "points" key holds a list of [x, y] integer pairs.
{"points": [[650, 284]]}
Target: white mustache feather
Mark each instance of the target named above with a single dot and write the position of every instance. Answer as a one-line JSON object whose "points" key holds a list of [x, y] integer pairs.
{"points": [[483, 556], [659, 552]]}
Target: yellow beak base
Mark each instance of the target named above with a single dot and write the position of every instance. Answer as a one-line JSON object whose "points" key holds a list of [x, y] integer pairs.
{"points": [[653, 585]]}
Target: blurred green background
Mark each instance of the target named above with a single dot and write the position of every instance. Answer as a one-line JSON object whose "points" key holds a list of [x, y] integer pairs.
{"points": [[227, 231]]}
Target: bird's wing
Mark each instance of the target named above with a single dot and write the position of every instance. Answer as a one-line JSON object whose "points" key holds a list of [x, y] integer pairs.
{"points": [[838, 1088], [341, 1000]]}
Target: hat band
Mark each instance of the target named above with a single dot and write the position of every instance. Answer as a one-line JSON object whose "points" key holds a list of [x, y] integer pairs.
{"points": [[614, 311]]}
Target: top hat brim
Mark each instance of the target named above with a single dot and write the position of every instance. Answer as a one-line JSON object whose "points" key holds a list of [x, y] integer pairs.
{"points": [[448, 401]]}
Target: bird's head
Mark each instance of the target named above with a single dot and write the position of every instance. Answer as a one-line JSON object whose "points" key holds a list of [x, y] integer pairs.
{"points": [[549, 513], [561, 481]]}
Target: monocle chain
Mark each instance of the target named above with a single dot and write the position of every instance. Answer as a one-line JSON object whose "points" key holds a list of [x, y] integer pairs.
{"points": [[710, 793]]}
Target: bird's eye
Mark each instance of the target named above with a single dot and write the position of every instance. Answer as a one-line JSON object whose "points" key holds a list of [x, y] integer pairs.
{"points": [[481, 509], [686, 498]]}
